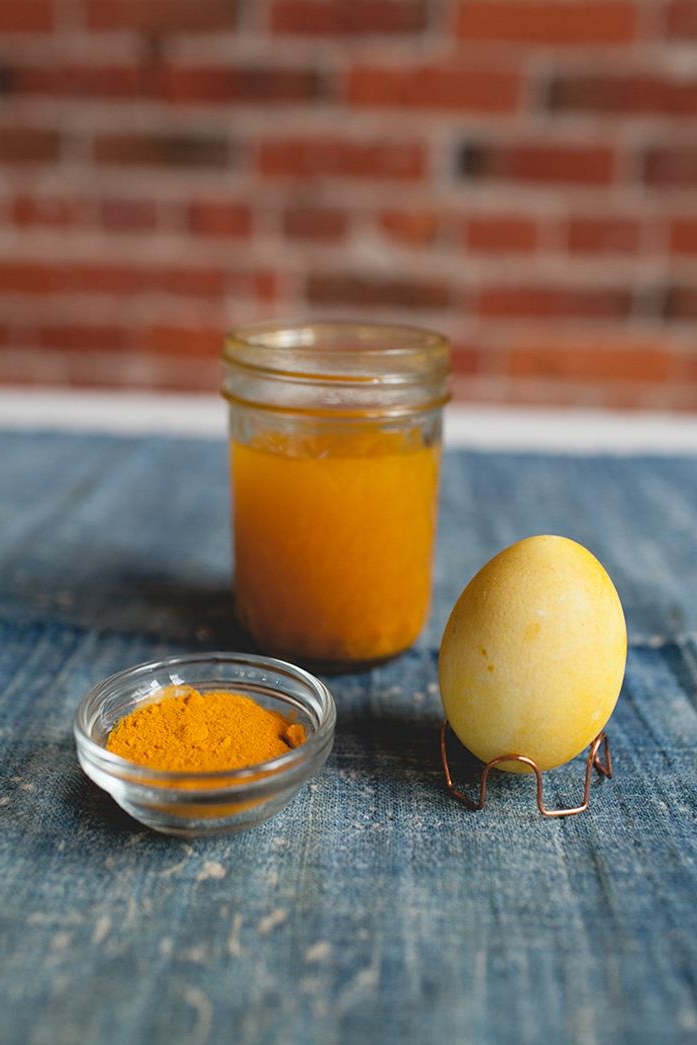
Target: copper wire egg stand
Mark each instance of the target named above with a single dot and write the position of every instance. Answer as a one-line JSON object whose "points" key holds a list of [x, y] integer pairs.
{"points": [[594, 760]]}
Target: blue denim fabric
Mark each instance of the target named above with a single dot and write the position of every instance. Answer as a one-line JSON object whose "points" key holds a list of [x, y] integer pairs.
{"points": [[374, 908]]}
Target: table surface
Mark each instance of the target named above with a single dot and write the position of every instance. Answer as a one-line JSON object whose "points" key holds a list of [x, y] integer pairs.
{"points": [[374, 908]]}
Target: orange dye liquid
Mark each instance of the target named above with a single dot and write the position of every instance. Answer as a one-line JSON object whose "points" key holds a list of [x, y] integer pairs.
{"points": [[333, 543]]}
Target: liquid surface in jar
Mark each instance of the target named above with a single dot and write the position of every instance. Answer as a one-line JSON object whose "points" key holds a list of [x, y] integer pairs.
{"points": [[334, 540]]}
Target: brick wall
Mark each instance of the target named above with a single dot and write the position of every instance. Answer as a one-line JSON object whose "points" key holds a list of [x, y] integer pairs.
{"points": [[521, 174]]}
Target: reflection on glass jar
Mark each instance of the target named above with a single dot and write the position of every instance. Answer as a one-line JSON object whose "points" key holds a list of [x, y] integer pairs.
{"points": [[335, 432]]}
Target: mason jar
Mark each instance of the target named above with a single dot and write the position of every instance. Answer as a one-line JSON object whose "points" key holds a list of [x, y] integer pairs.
{"points": [[335, 440]]}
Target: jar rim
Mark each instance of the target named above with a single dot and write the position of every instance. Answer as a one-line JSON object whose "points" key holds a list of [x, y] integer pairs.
{"points": [[343, 367], [376, 338]]}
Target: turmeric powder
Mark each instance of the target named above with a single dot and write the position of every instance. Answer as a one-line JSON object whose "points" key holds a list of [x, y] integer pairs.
{"points": [[190, 732]]}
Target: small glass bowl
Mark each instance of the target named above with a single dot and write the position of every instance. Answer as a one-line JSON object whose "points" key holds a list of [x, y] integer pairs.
{"points": [[206, 803]]}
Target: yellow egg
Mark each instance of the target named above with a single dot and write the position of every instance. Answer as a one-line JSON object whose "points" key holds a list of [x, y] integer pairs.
{"points": [[533, 655]]}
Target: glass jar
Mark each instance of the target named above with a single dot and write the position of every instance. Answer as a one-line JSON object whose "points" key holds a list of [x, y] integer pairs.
{"points": [[335, 436]]}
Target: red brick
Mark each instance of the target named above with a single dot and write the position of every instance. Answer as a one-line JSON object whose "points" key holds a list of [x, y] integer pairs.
{"points": [[641, 95], [500, 233], [263, 285], [364, 291], [20, 335], [213, 85], [227, 219], [538, 162], [681, 302], [168, 150], [329, 17], [309, 157], [85, 338], [548, 23], [203, 342], [603, 235], [127, 369], [529, 302], [683, 236], [327, 224], [124, 215], [591, 362], [611, 395], [51, 211], [82, 338], [115, 214], [121, 279], [681, 20], [466, 359], [28, 145], [100, 278], [182, 281], [253, 84], [26, 16], [24, 277], [78, 81], [686, 371], [416, 227], [671, 167], [434, 87], [162, 16]]}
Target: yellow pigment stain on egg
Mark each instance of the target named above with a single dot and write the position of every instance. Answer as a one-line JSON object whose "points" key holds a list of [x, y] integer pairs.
{"points": [[553, 689]]}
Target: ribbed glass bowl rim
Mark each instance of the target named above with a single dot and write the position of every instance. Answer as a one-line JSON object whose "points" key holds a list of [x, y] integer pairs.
{"points": [[255, 777]]}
